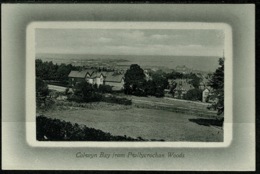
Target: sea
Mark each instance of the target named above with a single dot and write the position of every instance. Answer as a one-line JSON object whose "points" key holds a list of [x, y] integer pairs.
{"points": [[201, 63]]}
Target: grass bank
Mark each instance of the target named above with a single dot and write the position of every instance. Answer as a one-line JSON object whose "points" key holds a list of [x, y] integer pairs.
{"points": [[150, 124]]}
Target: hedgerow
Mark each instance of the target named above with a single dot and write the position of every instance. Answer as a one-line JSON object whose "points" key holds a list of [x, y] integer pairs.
{"points": [[117, 100], [56, 130]]}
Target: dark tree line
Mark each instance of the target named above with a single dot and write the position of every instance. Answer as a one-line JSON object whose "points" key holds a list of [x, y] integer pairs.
{"points": [[46, 71], [195, 80], [50, 71], [42, 91], [217, 83], [136, 83]]}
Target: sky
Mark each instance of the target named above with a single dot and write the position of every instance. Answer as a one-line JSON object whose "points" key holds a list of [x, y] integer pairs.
{"points": [[130, 42]]}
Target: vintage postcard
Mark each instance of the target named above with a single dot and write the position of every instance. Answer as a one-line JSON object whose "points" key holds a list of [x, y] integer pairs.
{"points": [[158, 84], [128, 87]]}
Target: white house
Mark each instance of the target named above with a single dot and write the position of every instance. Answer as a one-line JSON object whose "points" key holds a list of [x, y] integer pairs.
{"points": [[205, 95], [98, 78], [89, 76]]}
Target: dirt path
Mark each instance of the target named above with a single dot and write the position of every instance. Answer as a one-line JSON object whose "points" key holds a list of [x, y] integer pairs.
{"points": [[57, 88]]}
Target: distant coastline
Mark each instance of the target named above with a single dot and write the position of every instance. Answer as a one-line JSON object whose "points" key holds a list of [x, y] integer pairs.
{"points": [[204, 63]]}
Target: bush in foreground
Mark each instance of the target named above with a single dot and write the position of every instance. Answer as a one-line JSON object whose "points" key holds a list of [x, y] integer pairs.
{"points": [[56, 130]]}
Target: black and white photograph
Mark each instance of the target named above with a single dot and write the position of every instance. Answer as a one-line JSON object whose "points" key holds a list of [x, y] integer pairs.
{"points": [[95, 84], [145, 87]]}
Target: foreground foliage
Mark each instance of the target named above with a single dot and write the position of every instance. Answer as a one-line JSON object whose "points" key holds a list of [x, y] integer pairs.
{"points": [[56, 130]]}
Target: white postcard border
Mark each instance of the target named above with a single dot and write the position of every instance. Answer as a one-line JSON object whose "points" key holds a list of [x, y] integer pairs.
{"points": [[30, 82]]}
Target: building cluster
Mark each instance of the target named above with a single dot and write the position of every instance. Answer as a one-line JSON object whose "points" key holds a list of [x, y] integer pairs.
{"points": [[206, 89], [180, 87], [114, 79]]}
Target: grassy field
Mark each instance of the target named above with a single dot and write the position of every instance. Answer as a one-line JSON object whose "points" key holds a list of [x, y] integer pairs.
{"points": [[175, 105], [142, 122], [170, 101]]}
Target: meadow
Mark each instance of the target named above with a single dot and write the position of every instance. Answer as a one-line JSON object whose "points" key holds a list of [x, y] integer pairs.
{"points": [[152, 124]]}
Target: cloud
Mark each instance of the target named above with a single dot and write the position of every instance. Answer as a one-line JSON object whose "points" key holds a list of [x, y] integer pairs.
{"points": [[159, 36], [121, 41], [104, 40], [194, 46], [132, 35], [165, 36]]}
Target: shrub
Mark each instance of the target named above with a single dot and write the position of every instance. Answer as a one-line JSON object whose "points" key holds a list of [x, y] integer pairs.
{"points": [[193, 94], [92, 97], [105, 89], [48, 129], [75, 98], [42, 92], [50, 104], [67, 91], [85, 92], [159, 93], [112, 99]]}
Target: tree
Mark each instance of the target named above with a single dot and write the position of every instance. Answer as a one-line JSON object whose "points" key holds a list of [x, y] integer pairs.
{"points": [[193, 94], [85, 92], [217, 82], [42, 69], [135, 80], [195, 80], [63, 72], [105, 89], [160, 83], [42, 91], [150, 87], [174, 75], [50, 71]]}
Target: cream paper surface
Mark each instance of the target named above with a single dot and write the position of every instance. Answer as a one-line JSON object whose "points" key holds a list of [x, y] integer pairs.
{"points": [[21, 151]]}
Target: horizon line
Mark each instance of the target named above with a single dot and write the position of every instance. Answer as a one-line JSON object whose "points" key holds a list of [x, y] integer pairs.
{"points": [[128, 55]]}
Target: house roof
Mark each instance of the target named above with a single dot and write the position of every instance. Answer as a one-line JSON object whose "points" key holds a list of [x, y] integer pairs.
{"points": [[183, 84], [80, 74], [90, 71], [110, 77], [208, 88], [105, 73], [96, 74]]}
